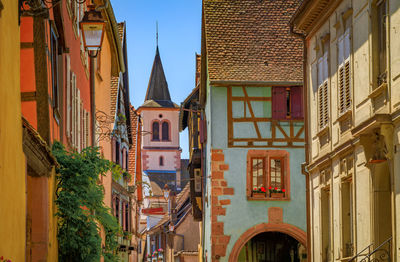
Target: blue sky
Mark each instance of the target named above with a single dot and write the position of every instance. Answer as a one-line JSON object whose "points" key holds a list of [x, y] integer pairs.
{"points": [[179, 34]]}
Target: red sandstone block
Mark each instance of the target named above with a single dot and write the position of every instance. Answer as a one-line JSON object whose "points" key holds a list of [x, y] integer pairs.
{"points": [[229, 191], [215, 166], [225, 202], [214, 200], [215, 183], [224, 183], [217, 157], [224, 240], [219, 211], [220, 250], [216, 150], [224, 167], [216, 191], [217, 228], [214, 218], [217, 175]]}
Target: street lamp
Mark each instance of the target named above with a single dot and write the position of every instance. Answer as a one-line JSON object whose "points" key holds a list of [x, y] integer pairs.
{"points": [[166, 192], [92, 27]]}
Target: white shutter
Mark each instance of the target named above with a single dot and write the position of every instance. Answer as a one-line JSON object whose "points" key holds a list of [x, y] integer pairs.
{"points": [[78, 135], [77, 16], [73, 109], [68, 104], [87, 129], [323, 102], [344, 72]]}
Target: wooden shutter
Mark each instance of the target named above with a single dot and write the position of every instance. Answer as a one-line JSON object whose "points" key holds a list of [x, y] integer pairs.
{"points": [[68, 98], [296, 102], [344, 72], [73, 110], [203, 131], [279, 103], [323, 105], [78, 121], [87, 128]]}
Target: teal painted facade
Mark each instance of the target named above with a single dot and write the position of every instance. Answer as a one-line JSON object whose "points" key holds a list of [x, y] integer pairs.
{"points": [[242, 214]]}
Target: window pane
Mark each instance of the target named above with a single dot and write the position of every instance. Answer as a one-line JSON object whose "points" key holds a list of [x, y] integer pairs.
{"points": [[257, 172], [276, 173], [156, 131], [165, 131]]}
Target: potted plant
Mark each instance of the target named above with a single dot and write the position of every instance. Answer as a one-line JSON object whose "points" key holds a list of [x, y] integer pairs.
{"points": [[276, 192], [160, 254], [259, 192], [154, 256]]}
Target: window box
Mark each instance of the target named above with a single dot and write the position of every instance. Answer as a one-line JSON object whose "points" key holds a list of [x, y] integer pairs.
{"points": [[277, 195], [258, 195]]}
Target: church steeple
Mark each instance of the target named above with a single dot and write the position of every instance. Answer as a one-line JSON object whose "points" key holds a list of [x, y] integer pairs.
{"points": [[157, 90]]}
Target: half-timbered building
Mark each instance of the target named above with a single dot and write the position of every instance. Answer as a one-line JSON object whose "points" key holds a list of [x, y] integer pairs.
{"points": [[254, 205]]}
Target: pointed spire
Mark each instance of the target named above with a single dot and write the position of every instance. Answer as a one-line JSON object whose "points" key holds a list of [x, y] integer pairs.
{"points": [[157, 90]]}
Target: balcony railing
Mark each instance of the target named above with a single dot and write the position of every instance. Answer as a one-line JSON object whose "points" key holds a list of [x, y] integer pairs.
{"points": [[382, 253]]}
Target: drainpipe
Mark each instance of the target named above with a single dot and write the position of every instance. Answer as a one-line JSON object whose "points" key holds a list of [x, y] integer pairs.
{"points": [[304, 170], [92, 98]]}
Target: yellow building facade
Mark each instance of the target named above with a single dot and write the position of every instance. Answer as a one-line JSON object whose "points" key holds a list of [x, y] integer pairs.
{"points": [[352, 75], [12, 160]]}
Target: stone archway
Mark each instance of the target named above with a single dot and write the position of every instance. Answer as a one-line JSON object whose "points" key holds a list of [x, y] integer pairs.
{"points": [[288, 229]]}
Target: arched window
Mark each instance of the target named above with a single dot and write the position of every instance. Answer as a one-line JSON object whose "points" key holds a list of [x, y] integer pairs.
{"points": [[161, 161], [165, 131], [156, 131]]}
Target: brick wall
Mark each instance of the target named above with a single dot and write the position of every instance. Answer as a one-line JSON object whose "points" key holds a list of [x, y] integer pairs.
{"points": [[219, 187]]}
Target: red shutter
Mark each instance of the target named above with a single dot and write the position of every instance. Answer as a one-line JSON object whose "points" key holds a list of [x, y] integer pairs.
{"points": [[297, 102], [279, 103]]}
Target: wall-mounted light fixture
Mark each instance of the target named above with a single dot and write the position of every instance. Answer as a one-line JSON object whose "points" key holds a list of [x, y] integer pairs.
{"points": [[92, 26]]}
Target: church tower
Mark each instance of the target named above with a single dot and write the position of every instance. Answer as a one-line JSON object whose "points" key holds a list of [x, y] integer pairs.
{"points": [[161, 152]]}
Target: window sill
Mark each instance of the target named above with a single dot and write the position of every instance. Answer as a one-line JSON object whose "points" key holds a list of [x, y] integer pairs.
{"points": [[378, 91], [323, 131], [267, 198], [250, 198], [344, 116]]}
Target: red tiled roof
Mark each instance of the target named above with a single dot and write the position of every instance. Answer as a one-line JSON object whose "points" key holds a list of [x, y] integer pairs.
{"points": [[250, 40]]}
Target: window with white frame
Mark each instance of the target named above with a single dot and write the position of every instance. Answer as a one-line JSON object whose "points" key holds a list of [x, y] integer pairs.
{"points": [[344, 75]]}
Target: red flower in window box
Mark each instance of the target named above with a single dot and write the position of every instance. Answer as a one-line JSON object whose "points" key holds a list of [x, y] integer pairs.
{"points": [[259, 192]]}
